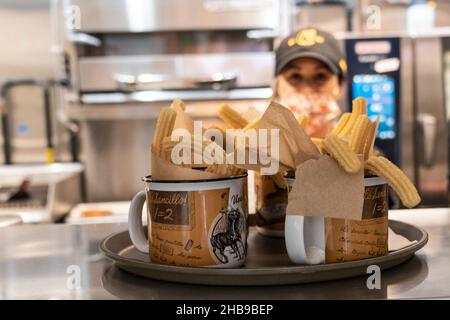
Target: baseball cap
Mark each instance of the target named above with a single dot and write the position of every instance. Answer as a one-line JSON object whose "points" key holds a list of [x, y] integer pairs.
{"points": [[311, 43]]}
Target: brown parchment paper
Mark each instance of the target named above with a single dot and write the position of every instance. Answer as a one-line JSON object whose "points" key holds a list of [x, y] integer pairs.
{"points": [[295, 146], [294, 142], [322, 188], [165, 170]]}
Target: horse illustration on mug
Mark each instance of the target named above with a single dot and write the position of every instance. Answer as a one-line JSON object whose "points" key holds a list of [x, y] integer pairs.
{"points": [[228, 235]]}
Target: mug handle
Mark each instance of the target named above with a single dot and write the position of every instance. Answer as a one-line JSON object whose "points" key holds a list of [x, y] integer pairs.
{"points": [[135, 225], [305, 239]]}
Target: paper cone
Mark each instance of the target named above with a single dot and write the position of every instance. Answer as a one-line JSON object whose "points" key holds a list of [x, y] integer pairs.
{"points": [[295, 146], [165, 170]]}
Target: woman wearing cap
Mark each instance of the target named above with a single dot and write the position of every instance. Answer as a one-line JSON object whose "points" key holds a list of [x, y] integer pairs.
{"points": [[310, 70]]}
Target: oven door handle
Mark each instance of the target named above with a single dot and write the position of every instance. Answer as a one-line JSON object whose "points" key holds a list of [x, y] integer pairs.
{"points": [[84, 38], [428, 132], [217, 81]]}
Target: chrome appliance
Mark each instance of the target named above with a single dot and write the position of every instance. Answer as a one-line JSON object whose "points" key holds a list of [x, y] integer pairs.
{"points": [[402, 78], [127, 59]]}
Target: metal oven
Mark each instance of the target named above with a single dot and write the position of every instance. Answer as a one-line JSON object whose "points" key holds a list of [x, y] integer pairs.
{"points": [[127, 59]]}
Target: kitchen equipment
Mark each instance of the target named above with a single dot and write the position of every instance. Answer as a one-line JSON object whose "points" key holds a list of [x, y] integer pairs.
{"points": [[51, 191], [267, 262], [14, 129], [374, 73], [9, 220], [328, 15], [393, 16], [431, 136], [118, 213], [408, 92], [193, 49], [128, 59]]}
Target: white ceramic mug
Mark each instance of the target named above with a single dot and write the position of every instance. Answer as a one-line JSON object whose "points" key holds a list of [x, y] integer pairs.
{"points": [[315, 240], [192, 223], [305, 239]]}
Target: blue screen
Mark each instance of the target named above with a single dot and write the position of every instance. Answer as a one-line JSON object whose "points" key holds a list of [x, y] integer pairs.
{"points": [[379, 91]]}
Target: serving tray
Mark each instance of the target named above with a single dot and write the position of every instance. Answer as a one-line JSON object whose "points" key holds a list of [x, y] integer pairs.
{"points": [[267, 262]]}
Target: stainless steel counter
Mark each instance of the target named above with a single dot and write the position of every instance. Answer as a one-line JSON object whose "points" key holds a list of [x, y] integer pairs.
{"points": [[43, 261]]}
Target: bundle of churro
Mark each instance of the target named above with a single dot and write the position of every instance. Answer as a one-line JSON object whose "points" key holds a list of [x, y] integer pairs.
{"points": [[175, 153], [234, 120], [351, 144], [231, 117], [330, 172], [164, 128]]}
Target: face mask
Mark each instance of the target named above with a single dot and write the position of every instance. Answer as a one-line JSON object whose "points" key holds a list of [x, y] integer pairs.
{"points": [[322, 110]]}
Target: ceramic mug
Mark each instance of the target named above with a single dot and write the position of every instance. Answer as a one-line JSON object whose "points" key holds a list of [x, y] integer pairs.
{"points": [[198, 223], [314, 240], [271, 203]]}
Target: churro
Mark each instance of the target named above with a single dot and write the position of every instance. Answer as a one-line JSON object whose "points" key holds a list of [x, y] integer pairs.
{"points": [[168, 144], [360, 133], [371, 138], [318, 143], [222, 133], [341, 152], [359, 107], [232, 118], [341, 123], [224, 169], [303, 121], [195, 146], [164, 127], [395, 178], [254, 124], [349, 125], [178, 105]]}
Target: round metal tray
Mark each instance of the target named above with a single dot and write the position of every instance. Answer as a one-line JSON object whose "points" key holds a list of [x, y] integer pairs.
{"points": [[267, 262]]}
